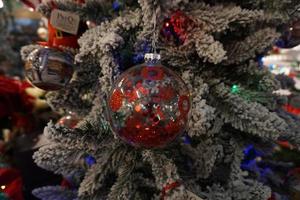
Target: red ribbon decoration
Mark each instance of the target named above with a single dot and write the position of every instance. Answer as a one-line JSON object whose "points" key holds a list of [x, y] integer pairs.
{"points": [[168, 187]]}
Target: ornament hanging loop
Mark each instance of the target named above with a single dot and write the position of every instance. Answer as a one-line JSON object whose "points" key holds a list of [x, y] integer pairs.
{"points": [[152, 58], [154, 34]]}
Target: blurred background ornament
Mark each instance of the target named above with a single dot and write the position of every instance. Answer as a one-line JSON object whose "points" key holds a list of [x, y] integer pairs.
{"points": [[149, 104], [70, 120], [177, 27]]}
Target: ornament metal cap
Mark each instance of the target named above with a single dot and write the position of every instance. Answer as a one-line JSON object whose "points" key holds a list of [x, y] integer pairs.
{"points": [[152, 58]]}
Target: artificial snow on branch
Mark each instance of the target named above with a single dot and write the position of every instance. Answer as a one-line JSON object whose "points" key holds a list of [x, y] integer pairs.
{"points": [[248, 116]]}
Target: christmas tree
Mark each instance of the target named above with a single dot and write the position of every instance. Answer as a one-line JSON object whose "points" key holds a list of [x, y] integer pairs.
{"points": [[215, 47]]}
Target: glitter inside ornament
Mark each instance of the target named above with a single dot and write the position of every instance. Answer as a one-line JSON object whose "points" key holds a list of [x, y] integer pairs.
{"points": [[149, 105], [49, 68]]}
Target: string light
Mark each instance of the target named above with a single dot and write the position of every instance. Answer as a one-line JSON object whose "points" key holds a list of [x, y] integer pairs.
{"points": [[235, 89], [3, 187], [90, 160]]}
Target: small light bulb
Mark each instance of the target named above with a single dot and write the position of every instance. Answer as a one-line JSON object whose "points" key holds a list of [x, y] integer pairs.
{"points": [[235, 89], [1, 4], [3, 187], [31, 9], [258, 159], [291, 28]]}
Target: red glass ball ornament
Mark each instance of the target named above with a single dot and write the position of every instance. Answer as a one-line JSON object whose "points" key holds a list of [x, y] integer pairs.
{"points": [[182, 24], [70, 120], [149, 105], [177, 27]]}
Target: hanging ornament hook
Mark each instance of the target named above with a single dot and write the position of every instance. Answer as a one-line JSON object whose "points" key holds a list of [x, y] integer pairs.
{"points": [[154, 34], [153, 58]]}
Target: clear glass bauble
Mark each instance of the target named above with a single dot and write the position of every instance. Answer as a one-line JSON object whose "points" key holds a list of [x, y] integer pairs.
{"points": [[149, 106], [49, 68]]}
